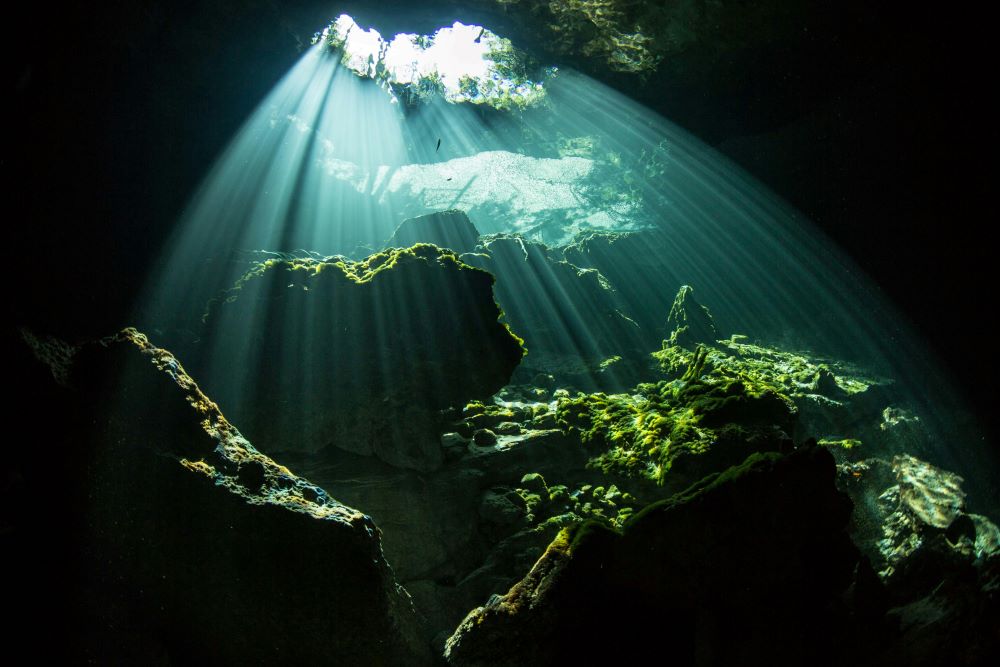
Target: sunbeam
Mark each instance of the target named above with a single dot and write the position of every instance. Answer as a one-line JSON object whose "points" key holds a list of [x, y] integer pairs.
{"points": [[331, 162]]}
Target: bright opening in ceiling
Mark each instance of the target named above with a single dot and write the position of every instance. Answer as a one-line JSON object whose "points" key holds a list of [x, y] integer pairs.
{"points": [[461, 63]]}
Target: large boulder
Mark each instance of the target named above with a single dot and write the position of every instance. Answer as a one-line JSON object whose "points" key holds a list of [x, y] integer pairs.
{"points": [[458, 534], [312, 354], [940, 563], [182, 543], [743, 568], [571, 318], [446, 229], [912, 522]]}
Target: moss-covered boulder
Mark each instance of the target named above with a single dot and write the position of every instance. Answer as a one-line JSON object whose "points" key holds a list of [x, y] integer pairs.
{"points": [[837, 402], [743, 568], [311, 354], [677, 432], [180, 542]]}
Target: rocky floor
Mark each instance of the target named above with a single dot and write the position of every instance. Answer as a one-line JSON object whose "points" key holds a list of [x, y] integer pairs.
{"points": [[717, 493]]}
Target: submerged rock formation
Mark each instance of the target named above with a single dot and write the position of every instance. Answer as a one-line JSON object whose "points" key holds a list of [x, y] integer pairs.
{"points": [[837, 404], [570, 317], [447, 229], [911, 521], [689, 322], [187, 545], [681, 433], [751, 564], [573, 322], [940, 563], [691, 574], [361, 356], [642, 269]]}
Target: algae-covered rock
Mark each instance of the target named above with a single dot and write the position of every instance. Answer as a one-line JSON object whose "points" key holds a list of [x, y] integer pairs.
{"points": [[484, 436], [689, 322], [667, 431], [834, 401], [447, 229], [457, 534], [743, 568], [360, 356], [184, 544]]}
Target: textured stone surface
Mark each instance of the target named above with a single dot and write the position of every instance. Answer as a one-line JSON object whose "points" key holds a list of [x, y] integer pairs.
{"points": [[740, 569], [448, 229], [639, 267], [189, 545], [912, 522], [689, 322], [360, 356], [570, 317]]}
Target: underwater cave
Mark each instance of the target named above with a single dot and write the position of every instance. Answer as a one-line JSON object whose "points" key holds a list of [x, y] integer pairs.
{"points": [[501, 332]]}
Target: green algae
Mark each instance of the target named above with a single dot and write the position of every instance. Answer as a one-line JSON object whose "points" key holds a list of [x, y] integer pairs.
{"points": [[233, 463], [358, 272], [643, 434], [755, 462], [351, 272], [382, 371], [558, 506], [609, 362], [841, 443], [718, 391], [789, 373]]}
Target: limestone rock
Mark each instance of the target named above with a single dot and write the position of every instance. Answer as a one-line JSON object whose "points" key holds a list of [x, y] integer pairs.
{"points": [[499, 506], [570, 318], [484, 437], [508, 428], [447, 229], [690, 322], [452, 439], [636, 265], [743, 568], [911, 521], [940, 564], [189, 545], [360, 356]]}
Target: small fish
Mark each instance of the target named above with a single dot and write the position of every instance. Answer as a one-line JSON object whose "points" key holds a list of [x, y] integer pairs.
{"points": [[480, 35], [438, 146], [448, 179]]}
